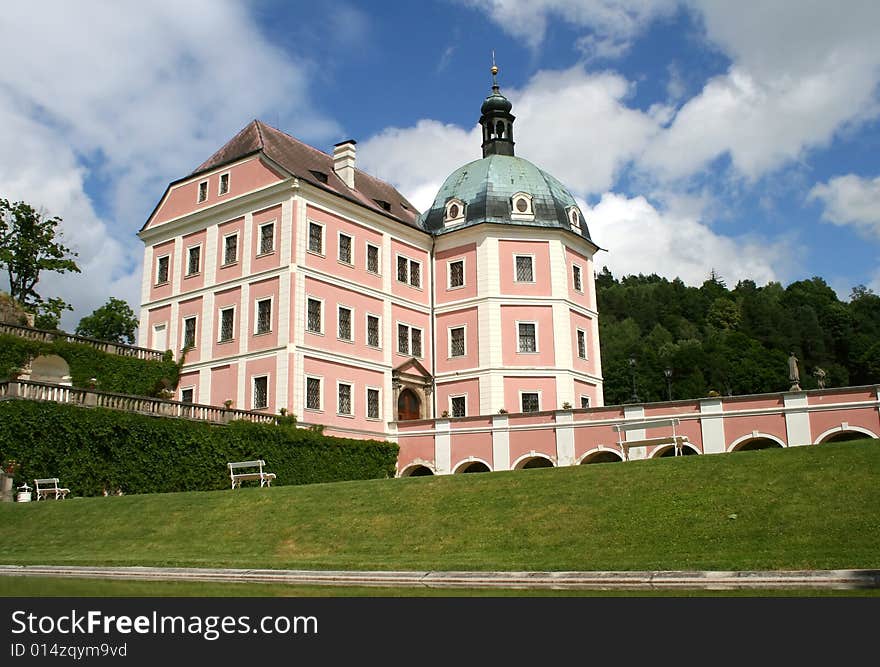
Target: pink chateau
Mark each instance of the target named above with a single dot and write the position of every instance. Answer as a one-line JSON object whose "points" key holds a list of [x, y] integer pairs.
{"points": [[468, 334]]}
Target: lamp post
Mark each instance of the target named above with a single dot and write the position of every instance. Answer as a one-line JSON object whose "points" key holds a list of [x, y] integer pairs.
{"points": [[668, 373], [632, 367]]}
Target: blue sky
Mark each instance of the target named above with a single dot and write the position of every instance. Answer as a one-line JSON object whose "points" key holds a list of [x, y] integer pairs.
{"points": [[697, 134]]}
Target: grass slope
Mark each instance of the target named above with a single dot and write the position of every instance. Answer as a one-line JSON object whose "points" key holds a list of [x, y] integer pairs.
{"points": [[804, 507]]}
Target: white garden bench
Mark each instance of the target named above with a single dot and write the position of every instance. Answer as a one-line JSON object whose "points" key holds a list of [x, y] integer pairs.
{"points": [[48, 487], [249, 470], [677, 440]]}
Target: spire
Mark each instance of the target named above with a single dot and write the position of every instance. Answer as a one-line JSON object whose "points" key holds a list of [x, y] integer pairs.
{"points": [[496, 120]]}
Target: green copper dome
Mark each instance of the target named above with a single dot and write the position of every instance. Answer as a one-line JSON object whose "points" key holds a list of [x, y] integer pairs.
{"points": [[490, 190], [496, 102]]}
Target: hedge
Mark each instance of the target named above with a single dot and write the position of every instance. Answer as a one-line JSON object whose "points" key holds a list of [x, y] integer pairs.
{"points": [[93, 449], [115, 373]]}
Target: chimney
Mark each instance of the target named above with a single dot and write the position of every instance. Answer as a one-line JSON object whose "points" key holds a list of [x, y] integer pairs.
{"points": [[343, 161]]}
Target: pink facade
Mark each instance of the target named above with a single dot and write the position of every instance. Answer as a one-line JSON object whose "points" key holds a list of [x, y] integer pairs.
{"points": [[446, 282], [183, 199], [711, 426], [511, 319], [193, 260], [275, 263], [510, 282]]}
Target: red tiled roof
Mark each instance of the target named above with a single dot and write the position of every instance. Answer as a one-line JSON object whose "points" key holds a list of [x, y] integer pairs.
{"points": [[302, 160]]}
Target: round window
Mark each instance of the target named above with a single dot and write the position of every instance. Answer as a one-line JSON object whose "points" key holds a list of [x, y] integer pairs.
{"points": [[522, 205], [453, 211]]}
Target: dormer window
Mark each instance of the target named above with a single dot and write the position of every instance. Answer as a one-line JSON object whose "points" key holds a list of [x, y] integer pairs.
{"points": [[454, 212], [521, 207], [575, 219]]}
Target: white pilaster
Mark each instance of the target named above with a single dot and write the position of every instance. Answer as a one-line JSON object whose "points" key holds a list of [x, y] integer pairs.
{"points": [[146, 280], [281, 383], [712, 426], [562, 345], [442, 448], [209, 263], [635, 413], [500, 442], [564, 438], [797, 420]]}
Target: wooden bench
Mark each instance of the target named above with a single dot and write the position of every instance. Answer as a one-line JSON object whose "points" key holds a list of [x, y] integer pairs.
{"points": [[677, 440], [250, 470], [49, 488]]}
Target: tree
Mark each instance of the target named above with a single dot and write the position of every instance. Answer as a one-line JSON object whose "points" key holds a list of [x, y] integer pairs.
{"points": [[28, 246], [114, 321]]}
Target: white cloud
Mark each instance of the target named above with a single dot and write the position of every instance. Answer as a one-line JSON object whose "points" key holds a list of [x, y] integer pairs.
{"points": [[614, 23], [574, 125], [92, 91], [794, 65], [642, 239], [851, 200]]}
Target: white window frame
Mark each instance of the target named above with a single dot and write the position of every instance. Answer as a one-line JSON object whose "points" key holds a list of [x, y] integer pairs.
{"points": [[580, 279], [199, 198], [320, 379], [350, 310], [409, 344], [463, 327], [530, 391], [537, 338], [531, 256], [451, 411], [582, 398], [449, 263], [183, 332], [167, 270], [254, 379], [350, 386], [260, 252], [189, 249], [572, 212], [409, 263], [515, 213], [323, 319], [319, 253], [220, 311], [191, 388], [257, 302], [367, 391], [448, 220], [378, 271], [339, 259], [577, 338], [367, 330], [234, 261], [220, 191], [157, 325]]}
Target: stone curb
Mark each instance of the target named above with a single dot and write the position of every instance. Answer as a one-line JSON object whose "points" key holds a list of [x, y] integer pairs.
{"points": [[599, 580]]}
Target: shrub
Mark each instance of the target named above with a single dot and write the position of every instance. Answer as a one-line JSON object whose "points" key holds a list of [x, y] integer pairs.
{"points": [[92, 449]]}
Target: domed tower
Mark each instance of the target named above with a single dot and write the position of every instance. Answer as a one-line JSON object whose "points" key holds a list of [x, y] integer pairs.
{"points": [[515, 319]]}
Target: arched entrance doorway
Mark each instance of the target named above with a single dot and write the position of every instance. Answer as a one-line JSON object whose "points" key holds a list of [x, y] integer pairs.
{"points": [[845, 436], [417, 470], [686, 450], [408, 405], [473, 466], [533, 462], [602, 457], [754, 444]]}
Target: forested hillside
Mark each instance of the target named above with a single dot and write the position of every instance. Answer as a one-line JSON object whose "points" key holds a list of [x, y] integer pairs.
{"points": [[731, 341]]}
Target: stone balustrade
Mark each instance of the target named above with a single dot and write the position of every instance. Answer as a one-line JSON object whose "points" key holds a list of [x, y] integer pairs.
{"points": [[102, 345], [159, 407]]}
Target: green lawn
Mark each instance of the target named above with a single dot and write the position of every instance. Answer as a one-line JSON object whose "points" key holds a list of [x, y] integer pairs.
{"points": [[799, 508]]}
